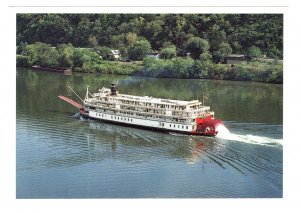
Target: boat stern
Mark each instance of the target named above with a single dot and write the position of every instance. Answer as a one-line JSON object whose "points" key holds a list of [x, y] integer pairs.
{"points": [[207, 126]]}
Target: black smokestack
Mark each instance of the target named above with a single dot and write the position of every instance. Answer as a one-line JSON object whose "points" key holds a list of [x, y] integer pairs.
{"points": [[113, 89]]}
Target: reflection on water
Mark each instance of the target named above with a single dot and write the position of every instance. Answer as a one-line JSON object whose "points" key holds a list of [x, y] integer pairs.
{"points": [[60, 155]]}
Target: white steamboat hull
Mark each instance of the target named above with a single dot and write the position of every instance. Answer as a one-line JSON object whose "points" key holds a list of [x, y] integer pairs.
{"points": [[140, 122]]}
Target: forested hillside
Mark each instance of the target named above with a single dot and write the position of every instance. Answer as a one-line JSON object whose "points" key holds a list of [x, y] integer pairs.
{"points": [[237, 31], [206, 38]]}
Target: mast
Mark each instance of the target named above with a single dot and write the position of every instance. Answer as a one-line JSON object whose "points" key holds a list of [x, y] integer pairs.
{"points": [[203, 98], [87, 93]]}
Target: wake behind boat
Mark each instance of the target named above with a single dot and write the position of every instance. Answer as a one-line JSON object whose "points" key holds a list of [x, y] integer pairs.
{"points": [[167, 115]]}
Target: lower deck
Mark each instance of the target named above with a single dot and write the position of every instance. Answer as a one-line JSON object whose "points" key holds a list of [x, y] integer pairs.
{"points": [[133, 121]]}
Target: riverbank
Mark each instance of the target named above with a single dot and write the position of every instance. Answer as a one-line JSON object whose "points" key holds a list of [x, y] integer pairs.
{"points": [[186, 68]]}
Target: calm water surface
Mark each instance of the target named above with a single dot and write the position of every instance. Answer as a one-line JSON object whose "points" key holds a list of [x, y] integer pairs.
{"points": [[60, 155]]}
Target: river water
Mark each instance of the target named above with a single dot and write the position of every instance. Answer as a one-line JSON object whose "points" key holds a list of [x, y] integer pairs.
{"points": [[60, 155]]}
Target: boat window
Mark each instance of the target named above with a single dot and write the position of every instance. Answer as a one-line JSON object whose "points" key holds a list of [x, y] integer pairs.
{"points": [[187, 127]]}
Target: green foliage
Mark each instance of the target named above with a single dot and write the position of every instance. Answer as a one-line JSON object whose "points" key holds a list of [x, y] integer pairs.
{"points": [[93, 43], [108, 67], [182, 68], [131, 39], [78, 58], [65, 58], [156, 68], [41, 54], [22, 61], [104, 52], [197, 46], [139, 50], [203, 66], [203, 35], [258, 71], [223, 51], [254, 52], [240, 31], [177, 68], [216, 38], [167, 53]]}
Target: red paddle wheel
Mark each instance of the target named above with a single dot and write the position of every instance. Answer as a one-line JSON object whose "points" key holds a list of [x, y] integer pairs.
{"points": [[207, 126]]}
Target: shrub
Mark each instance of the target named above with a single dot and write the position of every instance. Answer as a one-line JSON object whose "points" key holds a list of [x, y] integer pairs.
{"points": [[167, 53], [22, 61], [139, 50]]}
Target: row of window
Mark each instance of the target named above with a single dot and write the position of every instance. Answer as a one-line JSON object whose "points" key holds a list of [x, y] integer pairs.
{"points": [[137, 103], [130, 120], [115, 117], [176, 126]]}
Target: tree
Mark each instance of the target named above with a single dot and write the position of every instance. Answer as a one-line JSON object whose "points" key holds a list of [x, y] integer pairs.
{"points": [[104, 52], [182, 67], [167, 53], [216, 38], [41, 54], [77, 58], [65, 57], [131, 38], [93, 41], [139, 50], [254, 52], [223, 51], [82, 32], [204, 65], [197, 46]]}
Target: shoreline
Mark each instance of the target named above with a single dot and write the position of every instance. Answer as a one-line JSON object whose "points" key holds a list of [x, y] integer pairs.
{"points": [[140, 75]]}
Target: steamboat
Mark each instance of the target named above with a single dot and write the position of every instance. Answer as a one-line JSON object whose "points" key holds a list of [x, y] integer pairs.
{"points": [[166, 115]]}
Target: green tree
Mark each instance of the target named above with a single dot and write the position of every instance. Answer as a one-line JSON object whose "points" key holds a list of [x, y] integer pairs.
{"points": [[254, 52], [203, 66], [182, 68], [22, 61], [82, 32], [139, 50], [77, 58], [167, 53], [216, 38], [197, 46], [104, 52], [41, 54], [93, 43], [222, 52], [65, 57], [131, 39]]}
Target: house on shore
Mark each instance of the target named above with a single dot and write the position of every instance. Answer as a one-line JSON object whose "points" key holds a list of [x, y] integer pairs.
{"points": [[153, 54], [115, 54], [232, 59]]}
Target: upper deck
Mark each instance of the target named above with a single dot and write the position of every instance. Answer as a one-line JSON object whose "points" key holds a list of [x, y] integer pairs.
{"points": [[107, 100], [104, 96]]}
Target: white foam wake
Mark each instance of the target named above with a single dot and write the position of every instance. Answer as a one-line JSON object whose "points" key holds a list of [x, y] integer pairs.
{"points": [[224, 133]]}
